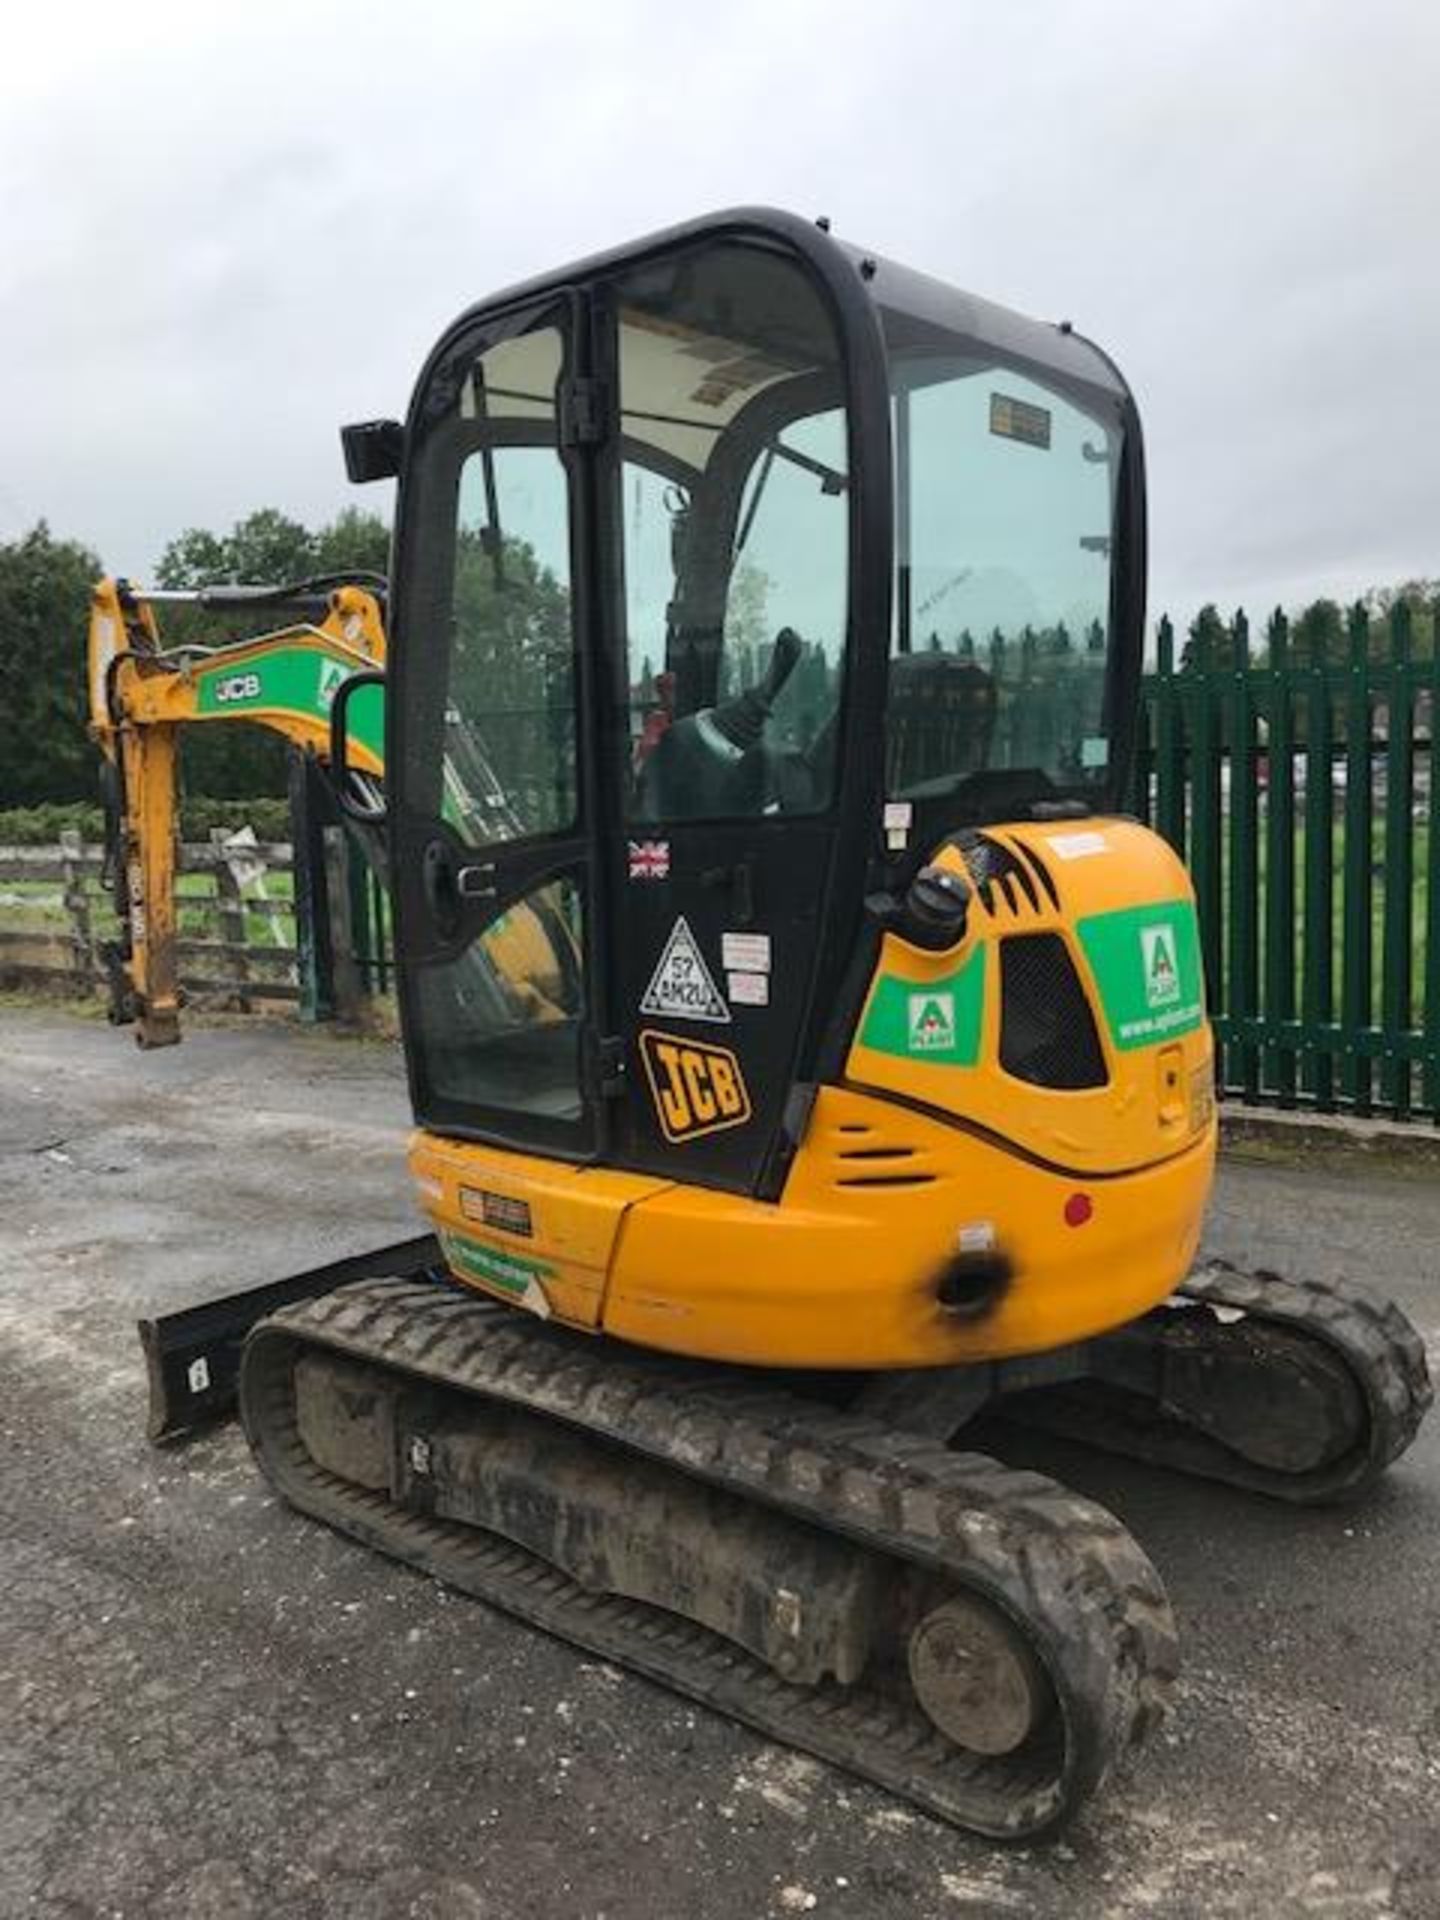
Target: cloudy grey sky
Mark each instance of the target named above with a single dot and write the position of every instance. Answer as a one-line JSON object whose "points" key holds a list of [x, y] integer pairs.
{"points": [[224, 233]]}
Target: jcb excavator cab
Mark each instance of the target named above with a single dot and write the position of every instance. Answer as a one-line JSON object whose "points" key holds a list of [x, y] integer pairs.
{"points": [[761, 568]]}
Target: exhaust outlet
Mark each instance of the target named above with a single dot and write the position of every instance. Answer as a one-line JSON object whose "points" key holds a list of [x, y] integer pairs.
{"points": [[972, 1284]]}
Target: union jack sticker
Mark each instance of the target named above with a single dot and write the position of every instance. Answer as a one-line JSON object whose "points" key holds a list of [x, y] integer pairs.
{"points": [[649, 859]]}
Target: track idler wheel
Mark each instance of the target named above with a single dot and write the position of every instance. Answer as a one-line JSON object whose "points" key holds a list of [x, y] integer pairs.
{"points": [[977, 1677]]}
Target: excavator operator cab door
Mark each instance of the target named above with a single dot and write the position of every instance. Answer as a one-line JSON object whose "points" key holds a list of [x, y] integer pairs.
{"points": [[643, 625]]}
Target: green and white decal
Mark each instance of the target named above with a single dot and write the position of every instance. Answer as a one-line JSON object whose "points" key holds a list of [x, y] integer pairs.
{"points": [[939, 1021], [299, 680], [1146, 963], [513, 1273]]}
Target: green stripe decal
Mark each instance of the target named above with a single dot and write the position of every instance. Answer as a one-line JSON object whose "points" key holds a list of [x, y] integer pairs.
{"points": [[299, 680], [511, 1272], [938, 1020], [1146, 963]]}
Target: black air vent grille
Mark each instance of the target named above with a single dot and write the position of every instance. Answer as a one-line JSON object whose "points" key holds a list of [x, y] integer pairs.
{"points": [[987, 859], [1047, 1030], [1006, 872], [883, 1166]]}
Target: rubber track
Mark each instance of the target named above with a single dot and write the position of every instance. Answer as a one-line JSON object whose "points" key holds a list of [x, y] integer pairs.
{"points": [[1383, 1353], [1064, 1567]]}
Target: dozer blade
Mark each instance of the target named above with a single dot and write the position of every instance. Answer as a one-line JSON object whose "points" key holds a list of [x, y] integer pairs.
{"points": [[1306, 1390], [192, 1356], [978, 1640]]}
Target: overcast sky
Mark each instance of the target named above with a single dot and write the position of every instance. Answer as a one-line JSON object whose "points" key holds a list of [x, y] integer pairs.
{"points": [[225, 234]]}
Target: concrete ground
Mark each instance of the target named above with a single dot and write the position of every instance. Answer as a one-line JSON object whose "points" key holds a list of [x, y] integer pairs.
{"points": [[211, 1707]]}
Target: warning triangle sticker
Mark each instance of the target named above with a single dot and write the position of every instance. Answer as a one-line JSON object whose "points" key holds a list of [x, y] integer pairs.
{"points": [[681, 986]]}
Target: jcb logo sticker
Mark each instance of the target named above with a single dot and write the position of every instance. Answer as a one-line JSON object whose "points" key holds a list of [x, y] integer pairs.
{"points": [[696, 1088], [240, 686]]}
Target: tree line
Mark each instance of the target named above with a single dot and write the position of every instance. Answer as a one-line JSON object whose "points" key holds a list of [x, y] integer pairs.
{"points": [[1320, 632], [45, 582]]}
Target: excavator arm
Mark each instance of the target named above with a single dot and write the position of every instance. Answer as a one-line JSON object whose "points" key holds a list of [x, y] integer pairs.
{"points": [[142, 693]]}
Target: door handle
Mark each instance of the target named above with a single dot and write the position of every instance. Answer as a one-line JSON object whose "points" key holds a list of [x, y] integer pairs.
{"points": [[741, 881], [477, 882], [447, 887], [438, 884]]}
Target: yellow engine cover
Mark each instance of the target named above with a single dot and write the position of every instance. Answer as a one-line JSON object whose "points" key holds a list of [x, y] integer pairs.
{"points": [[935, 1145]]}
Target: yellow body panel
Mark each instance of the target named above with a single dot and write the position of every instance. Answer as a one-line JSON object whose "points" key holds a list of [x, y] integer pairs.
{"points": [[573, 1216], [844, 1275], [839, 1274], [1144, 1111]]}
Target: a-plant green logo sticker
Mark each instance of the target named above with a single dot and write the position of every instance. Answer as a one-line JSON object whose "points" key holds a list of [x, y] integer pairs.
{"points": [[1162, 977], [512, 1273], [938, 1023], [1146, 965], [931, 1023], [332, 673]]}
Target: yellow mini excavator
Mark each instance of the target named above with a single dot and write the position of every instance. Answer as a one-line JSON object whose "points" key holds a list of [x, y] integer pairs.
{"points": [[765, 621]]}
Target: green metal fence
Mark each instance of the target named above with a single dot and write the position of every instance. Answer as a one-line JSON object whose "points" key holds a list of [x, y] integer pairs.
{"points": [[1295, 776]]}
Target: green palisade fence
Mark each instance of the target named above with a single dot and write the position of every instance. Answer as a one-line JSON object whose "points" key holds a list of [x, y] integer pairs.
{"points": [[1296, 780]]}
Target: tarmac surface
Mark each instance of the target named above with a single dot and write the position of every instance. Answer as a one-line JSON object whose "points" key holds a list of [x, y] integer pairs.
{"points": [[211, 1707]]}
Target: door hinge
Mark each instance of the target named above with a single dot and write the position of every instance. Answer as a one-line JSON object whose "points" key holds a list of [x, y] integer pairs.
{"points": [[610, 1066], [582, 413]]}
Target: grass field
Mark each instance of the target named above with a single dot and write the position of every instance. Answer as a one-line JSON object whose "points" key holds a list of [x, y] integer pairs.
{"points": [[36, 906]]}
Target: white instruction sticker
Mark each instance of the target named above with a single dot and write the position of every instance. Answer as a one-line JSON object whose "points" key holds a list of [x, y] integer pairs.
{"points": [[1077, 846], [748, 989], [746, 952], [682, 986], [1095, 751], [899, 816]]}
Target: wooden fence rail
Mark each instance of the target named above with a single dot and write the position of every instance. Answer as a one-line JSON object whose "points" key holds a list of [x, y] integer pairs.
{"points": [[237, 919]]}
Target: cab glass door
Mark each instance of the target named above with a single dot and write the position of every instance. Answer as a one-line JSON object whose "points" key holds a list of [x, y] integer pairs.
{"points": [[732, 473], [493, 882]]}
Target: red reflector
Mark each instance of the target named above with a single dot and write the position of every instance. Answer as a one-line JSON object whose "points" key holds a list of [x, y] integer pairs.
{"points": [[1078, 1209]]}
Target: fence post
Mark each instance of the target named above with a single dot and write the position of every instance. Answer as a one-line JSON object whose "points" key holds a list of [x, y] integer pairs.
{"points": [[1357, 989], [1430, 1091], [1280, 856], [1399, 911], [230, 911], [363, 931], [1196, 681], [1169, 744], [1319, 994], [1244, 876], [344, 974], [77, 905], [314, 960]]}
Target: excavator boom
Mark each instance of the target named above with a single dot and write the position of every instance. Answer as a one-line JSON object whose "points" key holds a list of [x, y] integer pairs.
{"points": [[142, 694]]}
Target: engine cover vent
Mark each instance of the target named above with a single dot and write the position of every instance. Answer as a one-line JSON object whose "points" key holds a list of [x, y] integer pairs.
{"points": [[1047, 1030], [1007, 870]]}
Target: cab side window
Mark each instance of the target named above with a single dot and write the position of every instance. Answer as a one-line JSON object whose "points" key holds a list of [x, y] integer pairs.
{"points": [[735, 515]]}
